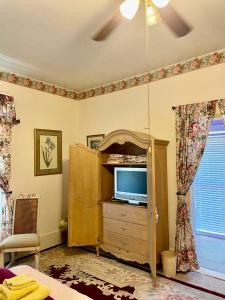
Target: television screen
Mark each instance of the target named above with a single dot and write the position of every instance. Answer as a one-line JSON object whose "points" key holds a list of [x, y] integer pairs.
{"points": [[132, 182]]}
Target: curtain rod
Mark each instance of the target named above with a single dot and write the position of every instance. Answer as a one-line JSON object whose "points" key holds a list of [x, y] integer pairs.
{"points": [[5, 94], [174, 107], [16, 122], [6, 192]]}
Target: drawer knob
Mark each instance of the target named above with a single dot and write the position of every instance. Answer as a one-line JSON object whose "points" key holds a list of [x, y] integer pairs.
{"points": [[123, 215], [124, 244], [123, 228]]}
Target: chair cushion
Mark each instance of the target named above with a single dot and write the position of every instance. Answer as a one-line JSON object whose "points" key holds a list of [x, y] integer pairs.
{"points": [[20, 241]]}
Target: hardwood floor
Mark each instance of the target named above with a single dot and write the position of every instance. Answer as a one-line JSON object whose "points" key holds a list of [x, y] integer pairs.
{"points": [[211, 253], [202, 280]]}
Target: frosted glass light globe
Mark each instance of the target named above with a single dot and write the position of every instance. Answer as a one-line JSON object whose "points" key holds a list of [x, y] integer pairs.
{"points": [[160, 3], [129, 8]]}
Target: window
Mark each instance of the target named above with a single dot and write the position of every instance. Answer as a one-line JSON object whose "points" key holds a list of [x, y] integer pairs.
{"points": [[209, 185]]}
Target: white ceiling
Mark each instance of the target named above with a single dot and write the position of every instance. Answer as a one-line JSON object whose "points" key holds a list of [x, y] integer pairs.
{"points": [[50, 40]]}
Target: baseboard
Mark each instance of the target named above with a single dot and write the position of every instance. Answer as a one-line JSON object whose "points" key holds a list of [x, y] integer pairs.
{"points": [[50, 239]]}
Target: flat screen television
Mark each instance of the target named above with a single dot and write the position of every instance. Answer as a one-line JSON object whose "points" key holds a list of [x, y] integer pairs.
{"points": [[130, 184]]}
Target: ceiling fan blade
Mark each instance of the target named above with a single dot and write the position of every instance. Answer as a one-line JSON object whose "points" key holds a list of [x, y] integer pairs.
{"points": [[174, 21], [108, 27]]}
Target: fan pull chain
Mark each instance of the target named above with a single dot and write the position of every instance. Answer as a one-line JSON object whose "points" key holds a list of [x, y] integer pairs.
{"points": [[147, 59]]}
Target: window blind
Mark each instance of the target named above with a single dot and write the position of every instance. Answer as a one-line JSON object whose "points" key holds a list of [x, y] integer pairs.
{"points": [[209, 185]]}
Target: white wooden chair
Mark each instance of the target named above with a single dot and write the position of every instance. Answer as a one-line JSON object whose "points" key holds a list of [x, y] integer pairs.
{"points": [[25, 235]]}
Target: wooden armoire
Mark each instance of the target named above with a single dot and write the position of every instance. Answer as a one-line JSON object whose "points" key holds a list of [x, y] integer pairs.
{"points": [[131, 232]]}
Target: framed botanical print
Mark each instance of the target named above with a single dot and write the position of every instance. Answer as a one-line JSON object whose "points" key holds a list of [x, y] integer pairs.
{"points": [[94, 140], [47, 152]]}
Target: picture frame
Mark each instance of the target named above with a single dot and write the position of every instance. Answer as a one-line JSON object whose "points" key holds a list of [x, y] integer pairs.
{"points": [[47, 152], [94, 140]]}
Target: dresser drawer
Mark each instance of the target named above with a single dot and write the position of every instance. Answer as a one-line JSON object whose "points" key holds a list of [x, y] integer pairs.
{"points": [[125, 212], [124, 242], [125, 228], [124, 254]]}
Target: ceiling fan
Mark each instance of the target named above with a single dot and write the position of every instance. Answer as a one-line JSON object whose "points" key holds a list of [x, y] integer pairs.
{"points": [[155, 11]]}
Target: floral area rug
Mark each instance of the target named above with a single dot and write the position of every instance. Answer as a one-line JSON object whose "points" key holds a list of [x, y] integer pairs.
{"points": [[105, 279]]}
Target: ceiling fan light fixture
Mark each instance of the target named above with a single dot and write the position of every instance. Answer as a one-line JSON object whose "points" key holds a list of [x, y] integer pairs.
{"points": [[160, 3], [152, 15], [129, 8]]}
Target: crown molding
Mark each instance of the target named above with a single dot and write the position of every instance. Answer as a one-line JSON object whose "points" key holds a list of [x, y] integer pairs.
{"points": [[9, 65], [180, 68]]}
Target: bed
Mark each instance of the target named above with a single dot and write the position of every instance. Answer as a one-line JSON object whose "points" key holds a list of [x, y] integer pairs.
{"points": [[58, 290]]}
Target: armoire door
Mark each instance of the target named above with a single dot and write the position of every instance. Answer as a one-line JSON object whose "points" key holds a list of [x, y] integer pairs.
{"points": [[83, 210], [152, 209]]}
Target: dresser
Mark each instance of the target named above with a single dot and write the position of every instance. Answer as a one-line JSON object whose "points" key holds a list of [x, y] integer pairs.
{"points": [[125, 231]]}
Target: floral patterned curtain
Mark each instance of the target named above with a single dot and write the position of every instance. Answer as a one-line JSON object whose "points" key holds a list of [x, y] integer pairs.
{"points": [[221, 104], [7, 119], [192, 126]]}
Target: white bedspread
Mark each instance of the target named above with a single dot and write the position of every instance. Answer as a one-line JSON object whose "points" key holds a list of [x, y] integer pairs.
{"points": [[58, 290]]}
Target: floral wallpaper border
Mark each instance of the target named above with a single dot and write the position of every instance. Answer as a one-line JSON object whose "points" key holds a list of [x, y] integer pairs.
{"points": [[37, 85], [193, 64]]}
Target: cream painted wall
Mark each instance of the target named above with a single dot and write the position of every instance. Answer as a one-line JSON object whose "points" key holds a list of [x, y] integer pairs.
{"points": [[125, 109], [41, 110], [128, 109]]}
